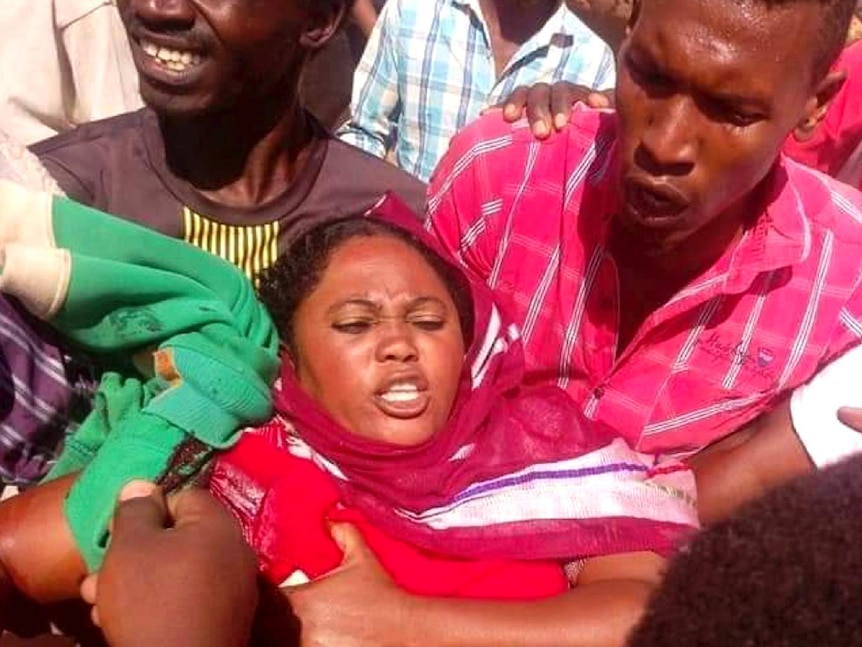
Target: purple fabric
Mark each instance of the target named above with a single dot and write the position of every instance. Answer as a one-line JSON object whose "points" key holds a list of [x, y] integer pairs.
{"points": [[40, 395]]}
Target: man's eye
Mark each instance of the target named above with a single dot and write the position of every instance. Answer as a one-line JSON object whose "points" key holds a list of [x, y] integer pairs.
{"points": [[353, 327], [742, 119], [734, 116], [646, 76]]}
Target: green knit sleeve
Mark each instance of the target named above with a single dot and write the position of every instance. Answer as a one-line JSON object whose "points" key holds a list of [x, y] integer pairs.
{"points": [[131, 291]]}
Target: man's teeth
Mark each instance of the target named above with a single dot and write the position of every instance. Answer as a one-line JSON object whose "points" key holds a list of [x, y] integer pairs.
{"points": [[173, 59], [401, 393]]}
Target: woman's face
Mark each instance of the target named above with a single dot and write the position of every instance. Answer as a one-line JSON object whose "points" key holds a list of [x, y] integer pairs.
{"points": [[379, 343]]}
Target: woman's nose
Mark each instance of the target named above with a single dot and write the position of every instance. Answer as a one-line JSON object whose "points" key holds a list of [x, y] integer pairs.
{"points": [[396, 343]]}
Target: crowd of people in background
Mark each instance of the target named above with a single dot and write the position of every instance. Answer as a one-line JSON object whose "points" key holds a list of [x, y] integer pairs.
{"points": [[430, 322]]}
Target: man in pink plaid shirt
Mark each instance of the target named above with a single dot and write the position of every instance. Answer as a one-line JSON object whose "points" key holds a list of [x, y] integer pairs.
{"points": [[669, 269]]}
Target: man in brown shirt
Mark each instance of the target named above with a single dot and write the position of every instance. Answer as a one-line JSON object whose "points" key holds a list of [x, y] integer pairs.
{"points": [[223, 156]]}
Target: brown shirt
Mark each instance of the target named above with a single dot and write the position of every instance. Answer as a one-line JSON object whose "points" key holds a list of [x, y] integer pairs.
{"points": [[118, 165]]}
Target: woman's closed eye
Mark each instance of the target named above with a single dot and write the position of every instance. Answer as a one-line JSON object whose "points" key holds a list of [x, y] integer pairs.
{"points": [[429, 324], [353, 326]]}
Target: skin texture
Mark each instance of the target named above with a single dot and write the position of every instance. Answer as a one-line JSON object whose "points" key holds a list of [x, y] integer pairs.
{"points": [[754, 461], [183, 560], [245, 88], [37, 551], [380, 316], [747, 464]]}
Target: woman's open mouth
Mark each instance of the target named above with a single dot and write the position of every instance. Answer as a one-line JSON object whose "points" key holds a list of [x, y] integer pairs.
{"points": [[403, 400]]}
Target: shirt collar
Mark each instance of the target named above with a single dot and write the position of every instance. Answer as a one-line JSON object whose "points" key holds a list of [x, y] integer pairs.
{"points": [[781, 236], [558, 30]]}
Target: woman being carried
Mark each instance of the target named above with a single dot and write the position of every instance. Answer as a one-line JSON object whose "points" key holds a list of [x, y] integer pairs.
{"points": [[399, 410]]}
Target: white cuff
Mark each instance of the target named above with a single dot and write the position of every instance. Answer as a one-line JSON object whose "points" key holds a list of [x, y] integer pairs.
{"points": [[26, 217], [38, 276], [814, 406]]}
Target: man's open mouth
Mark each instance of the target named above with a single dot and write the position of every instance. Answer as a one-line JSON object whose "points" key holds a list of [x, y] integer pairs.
{"points": [[176, 60]]}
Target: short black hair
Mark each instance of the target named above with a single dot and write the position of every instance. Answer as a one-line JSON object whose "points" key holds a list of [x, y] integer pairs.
{"points": [[284, 286], [782, 572], [833, 30]]}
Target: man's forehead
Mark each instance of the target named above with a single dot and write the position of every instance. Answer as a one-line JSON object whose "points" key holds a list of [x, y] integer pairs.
{"points": [[746, 22], [728, 42]]}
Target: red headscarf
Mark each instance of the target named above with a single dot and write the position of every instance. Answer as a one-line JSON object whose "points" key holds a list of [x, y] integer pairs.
{"points": [[516, 473]]}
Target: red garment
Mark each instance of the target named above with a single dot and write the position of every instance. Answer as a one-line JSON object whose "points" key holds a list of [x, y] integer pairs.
{"points": [[839, 135], [531, 218], [284, 503]]}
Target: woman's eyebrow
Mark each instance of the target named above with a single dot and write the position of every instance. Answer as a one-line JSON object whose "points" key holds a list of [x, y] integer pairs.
{"points": [[369, 304], [418, 302], [356, 302]]}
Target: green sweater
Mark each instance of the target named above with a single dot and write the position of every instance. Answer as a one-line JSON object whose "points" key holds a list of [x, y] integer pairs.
{"points": [[205, 348]]}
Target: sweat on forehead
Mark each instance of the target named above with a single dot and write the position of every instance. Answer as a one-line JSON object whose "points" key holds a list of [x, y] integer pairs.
{"points": [[284, 286], [832, 21]]}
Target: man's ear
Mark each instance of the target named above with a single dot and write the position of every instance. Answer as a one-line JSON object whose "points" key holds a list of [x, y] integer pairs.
{"points": [[819, 103], [323, 23]]}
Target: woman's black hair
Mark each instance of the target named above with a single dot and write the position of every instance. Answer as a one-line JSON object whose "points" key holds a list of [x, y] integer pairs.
{"points": [[296, 273]]}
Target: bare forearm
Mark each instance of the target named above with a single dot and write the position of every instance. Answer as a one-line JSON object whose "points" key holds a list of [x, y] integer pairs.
{"points": [[595, 615], [37, 551], [747, 464]]}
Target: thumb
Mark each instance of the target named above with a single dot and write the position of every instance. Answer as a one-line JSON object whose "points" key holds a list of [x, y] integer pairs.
{"points": [[851, 417], [142, 510], [136, 489], [350, 541]]}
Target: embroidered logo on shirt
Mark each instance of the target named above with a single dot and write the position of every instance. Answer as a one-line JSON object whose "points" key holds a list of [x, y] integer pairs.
{"points": [[756, 362]]}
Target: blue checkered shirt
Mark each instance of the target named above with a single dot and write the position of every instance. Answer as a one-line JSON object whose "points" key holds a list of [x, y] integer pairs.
{"points": [[428, 70]]}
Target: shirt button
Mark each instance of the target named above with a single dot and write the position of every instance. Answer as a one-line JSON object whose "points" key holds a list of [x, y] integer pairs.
{"points": [[599, 392]]}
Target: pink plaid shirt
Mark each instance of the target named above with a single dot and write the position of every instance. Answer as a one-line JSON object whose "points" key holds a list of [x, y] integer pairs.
{"points": [[531, 218]]}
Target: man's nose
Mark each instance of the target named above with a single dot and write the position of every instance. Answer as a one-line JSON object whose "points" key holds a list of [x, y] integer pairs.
{"points": [[162, 14], [669, 142], [396, 342]]}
